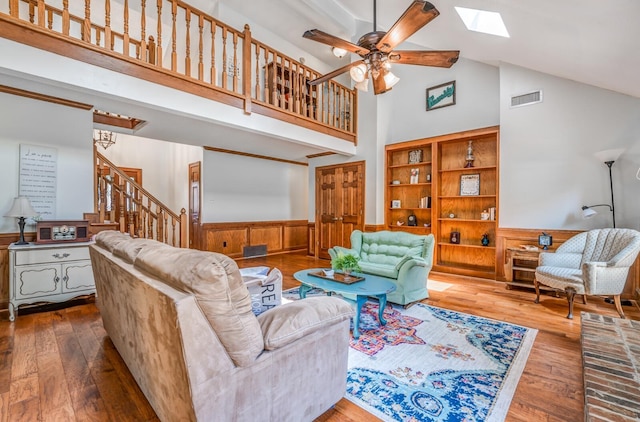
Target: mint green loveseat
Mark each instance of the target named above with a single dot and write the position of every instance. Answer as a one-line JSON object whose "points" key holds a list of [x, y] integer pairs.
{"points": [[404, 258]]}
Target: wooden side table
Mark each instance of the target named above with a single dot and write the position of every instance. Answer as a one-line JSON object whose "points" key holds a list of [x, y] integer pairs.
{"points": [[520, 267]]}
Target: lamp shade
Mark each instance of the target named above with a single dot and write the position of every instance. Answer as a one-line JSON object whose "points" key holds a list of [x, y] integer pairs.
{"points": [[390, 79], [588, 212], [21, 208], [609, 154], [358, 73], [363, 85]]}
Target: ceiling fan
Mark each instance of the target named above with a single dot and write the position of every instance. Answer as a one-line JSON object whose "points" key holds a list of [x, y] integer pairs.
{"points": [[377, 49]]}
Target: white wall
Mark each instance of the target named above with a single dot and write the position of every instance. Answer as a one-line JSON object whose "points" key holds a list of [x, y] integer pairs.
{"points": [[240, 188], [165, 166], [548, 170], [477, 100], [69, 131]]}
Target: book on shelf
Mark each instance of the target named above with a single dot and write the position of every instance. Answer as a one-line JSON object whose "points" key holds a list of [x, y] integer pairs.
{"points": [[492, 213], [425, 202]]}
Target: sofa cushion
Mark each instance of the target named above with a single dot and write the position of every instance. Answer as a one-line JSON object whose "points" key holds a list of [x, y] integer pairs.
{"points": [[215, 281], [383, 270], [287, 323], [110, 238], [129, 250], [389, 248]]}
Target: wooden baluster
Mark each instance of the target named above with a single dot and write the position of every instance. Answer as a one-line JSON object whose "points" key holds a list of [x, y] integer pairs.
{"points": [[306, 95], [159, 46], [151, 47], [174, 56], [98, 37], [65, 17], [123, 221], [246, 68], [272, 96], [159, 220], [200, 48], [267, 94], [187, 58], [32, 13], [235, 62], [125, 36], [296, 80], [86, 24], [41, 13], [50, 19], [224, 57], [143, 29], [258, 49], [14, 8], [107, 25], [275, 100], [214, 72], [184, 232]]}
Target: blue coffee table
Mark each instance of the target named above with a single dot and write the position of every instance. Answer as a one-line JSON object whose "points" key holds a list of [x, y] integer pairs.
{"points": [[372, 285]]}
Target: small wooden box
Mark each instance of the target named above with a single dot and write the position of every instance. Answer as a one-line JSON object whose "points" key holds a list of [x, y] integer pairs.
{"points": [[59, 231]]}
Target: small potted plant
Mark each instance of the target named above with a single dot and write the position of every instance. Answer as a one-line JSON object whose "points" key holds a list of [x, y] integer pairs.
{"points": [[346, 263]]}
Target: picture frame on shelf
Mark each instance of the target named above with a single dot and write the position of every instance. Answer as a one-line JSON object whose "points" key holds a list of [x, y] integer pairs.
{"points": [[415, 156], [454, 237], [396, 203], [442, 95], [470, 184]]}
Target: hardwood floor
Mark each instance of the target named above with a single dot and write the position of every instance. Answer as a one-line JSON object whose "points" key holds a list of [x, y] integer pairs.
{"points": [[61, 365]]}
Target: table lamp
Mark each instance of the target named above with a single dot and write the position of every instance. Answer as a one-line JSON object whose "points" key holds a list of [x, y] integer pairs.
{"points": [[21, 209]]}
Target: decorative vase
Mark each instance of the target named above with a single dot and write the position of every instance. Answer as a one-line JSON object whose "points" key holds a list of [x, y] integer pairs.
{"points": [[485, 239]]}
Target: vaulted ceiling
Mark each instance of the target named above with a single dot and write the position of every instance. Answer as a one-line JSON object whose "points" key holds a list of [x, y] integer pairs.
{"points": [[589, 41]]}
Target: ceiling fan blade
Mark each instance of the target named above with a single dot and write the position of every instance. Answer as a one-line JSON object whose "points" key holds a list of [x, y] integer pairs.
{"points": [[415, 17], [328, 39], [379, 85], [445, 58], [335, 73]]}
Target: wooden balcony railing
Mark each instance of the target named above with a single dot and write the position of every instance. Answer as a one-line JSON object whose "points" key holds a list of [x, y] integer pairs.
{"points": [[119, 199], [181, 41]]}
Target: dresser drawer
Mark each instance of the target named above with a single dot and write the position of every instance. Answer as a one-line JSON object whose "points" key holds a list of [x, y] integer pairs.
{"points": [[39, 256]]}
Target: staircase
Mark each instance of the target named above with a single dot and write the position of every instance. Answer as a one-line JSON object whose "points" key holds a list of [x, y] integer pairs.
{"points": [[122, 204]]}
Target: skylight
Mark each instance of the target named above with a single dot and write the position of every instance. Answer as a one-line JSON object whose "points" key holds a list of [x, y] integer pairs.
{"points": [[483, 21]]}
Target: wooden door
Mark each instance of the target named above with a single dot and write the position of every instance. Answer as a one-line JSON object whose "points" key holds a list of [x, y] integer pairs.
{"points": [[194, 205], [339, 205]]}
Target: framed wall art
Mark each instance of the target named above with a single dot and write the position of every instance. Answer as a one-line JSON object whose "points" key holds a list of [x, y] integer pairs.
{"points": [[442, 95]]}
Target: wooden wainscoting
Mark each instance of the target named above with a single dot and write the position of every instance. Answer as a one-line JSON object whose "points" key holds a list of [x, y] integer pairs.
{"points": [[311, 239], [513, 238], [374, 227], [231, 238]]}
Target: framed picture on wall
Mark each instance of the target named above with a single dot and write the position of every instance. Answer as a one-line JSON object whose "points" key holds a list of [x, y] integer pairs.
{"points": [[442, 95]]}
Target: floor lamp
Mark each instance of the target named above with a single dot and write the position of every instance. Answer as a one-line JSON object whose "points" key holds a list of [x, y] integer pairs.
{"points": [[608, 157]]}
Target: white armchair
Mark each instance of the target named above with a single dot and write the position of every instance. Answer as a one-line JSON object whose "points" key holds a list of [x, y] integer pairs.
{"points": [[592, 263]]}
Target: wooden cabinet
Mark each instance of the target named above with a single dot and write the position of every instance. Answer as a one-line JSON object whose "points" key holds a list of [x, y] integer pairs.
{"points": [[408, 188], [48, 273], [290, 90], [470, 214]]}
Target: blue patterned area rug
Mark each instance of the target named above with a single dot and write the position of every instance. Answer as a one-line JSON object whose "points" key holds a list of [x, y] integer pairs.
{"points": [[432, 364]]}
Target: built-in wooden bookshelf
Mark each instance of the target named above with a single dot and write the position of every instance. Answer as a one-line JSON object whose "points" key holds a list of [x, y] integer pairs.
{"points": [[408, 190], [470, 214]]}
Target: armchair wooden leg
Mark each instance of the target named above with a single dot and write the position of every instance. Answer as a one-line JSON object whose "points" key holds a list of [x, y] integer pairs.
{"points": [[584, 299], [571, 293], [616, 299], [535, 285]]}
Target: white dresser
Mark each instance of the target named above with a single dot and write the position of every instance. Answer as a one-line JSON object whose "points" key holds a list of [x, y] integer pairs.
{"points": [[48, 273]]}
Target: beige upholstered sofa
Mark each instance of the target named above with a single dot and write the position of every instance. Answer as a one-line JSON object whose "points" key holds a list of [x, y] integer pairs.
{"points": [[181, 320]]}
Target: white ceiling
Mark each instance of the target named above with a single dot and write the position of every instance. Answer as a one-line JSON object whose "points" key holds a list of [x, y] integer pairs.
{"points": [[589, 41]]}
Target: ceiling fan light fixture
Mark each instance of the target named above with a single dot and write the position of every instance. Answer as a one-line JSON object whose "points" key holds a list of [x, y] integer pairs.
{"points": [[338, 52], [358, 73], [390, 79]]}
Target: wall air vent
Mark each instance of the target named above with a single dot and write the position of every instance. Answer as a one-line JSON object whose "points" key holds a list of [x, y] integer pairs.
{"points": [[526, 99]]}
